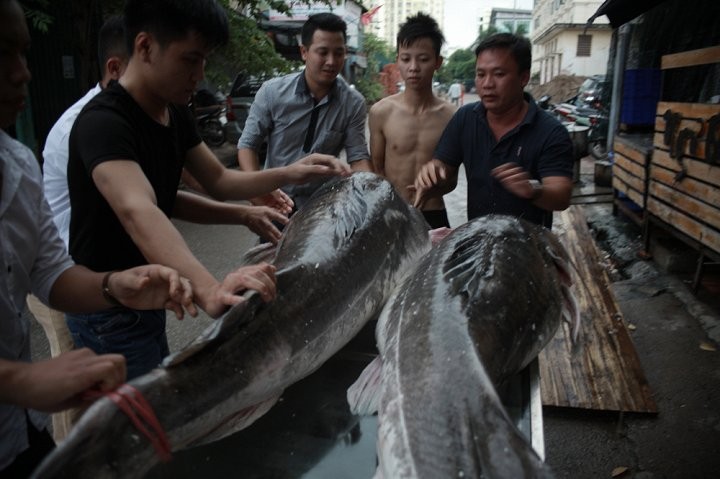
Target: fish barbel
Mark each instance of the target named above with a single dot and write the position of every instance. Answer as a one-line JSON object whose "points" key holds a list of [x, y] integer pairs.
{"points": [[476, 310], [337, 262]]}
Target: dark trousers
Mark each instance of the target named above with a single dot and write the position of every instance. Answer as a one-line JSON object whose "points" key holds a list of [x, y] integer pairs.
{"points": [[436, 218], [40, 445]]}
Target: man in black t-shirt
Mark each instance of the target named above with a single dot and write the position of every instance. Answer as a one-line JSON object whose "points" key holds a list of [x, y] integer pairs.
{"points": [[127, 151], [517, 158]]}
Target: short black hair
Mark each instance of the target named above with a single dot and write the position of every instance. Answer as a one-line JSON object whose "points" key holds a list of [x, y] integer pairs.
{"points": [[111, 40], [417, 27], [171, 20], [328, 22], [519, 48]]}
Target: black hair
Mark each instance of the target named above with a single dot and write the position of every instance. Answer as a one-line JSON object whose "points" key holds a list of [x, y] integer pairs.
{"points": [[328, 22], [519, 48], [171, 20], [417, 27], [111, 40]]}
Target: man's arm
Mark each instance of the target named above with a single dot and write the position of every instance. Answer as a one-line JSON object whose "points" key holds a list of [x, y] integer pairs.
{"points": [[553, 194], [130, 195], [435, 178], [56, 384], [226, 184], [199, 209], [248, 159], [376, 121], [80, 290]]}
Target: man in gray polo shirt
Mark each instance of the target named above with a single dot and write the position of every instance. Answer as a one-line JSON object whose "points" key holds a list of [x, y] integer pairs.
{"points": [[313, 111]]}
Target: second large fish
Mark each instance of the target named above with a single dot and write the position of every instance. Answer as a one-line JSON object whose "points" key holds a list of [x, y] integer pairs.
{"points": [[477, 309], [339, 259]]}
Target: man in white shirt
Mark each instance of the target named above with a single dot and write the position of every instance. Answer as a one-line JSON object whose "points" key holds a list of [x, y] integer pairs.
{"points": [[33, 257], [112, 55]]}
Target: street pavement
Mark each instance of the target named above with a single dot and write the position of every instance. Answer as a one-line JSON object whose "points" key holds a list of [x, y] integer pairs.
{"points": [[671, 335]]}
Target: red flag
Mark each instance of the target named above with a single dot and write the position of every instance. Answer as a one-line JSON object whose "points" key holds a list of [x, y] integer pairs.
{"points": [[366, 18]]}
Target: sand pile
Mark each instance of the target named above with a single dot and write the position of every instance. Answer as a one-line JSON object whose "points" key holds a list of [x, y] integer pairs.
{"points": [[560, 88]]}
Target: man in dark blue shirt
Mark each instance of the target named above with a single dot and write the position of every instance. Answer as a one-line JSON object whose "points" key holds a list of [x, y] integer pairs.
{"points": [[518, 159]]}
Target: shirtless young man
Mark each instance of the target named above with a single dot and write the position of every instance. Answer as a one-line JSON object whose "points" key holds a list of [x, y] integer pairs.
{"points": [[405, 127]]}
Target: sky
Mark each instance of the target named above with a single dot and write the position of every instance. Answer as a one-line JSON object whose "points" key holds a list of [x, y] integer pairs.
{"points": [[461, 18]]}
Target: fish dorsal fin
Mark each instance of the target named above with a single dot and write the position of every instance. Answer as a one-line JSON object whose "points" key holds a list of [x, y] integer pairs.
{"points": [[237, 317]]}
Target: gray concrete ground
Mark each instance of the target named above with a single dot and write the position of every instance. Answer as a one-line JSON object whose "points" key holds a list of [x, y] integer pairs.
{"points": [[671, 335]]}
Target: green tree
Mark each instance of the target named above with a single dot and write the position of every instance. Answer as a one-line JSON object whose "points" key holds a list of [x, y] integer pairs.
{"points": [[459, 66], [378, 54]]}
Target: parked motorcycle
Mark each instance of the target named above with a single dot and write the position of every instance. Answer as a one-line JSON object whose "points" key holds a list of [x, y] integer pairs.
{"points": [[591, 115], [210, 117], [211, 125]]}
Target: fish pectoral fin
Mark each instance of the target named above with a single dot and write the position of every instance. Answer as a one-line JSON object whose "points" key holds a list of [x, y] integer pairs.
{"points": [[238, 421], [364, 394]]}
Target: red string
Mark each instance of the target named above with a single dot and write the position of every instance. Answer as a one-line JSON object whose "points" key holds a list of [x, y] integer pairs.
{"points": [[131, 401]]}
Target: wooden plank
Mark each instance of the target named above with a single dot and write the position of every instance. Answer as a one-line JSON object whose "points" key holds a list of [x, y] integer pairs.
{"points": [[591, 200], [694, 168], [636, 197], [688, 110], [700, 210], [629, 152], [701, 233], [636, 183], [602, 370], [636, 169], [701, 56], [688, 185], [699, 153]]}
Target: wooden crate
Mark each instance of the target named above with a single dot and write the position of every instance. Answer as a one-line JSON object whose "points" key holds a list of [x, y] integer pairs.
{"points": [[684, 183], [631, 165]]}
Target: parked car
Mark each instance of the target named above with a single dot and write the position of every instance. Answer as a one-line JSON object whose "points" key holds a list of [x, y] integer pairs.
{"points": [[242, 93]]}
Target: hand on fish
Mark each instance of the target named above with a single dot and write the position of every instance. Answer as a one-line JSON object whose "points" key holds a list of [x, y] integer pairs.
{"points": [[57, 383], [153, 287], [259, 219], [278, 200], [259, 277], [316, 165]]}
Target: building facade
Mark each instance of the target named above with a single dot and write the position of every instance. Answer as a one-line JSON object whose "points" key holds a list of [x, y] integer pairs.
{"points": [[386, 22], [564, 44]]}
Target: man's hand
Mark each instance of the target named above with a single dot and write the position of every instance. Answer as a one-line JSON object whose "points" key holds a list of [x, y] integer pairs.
{"points": [[153, 287], [430, 176], [259, 277], [314, 166], [277, 199], [56, 384], [515, 179], [259, 219]]}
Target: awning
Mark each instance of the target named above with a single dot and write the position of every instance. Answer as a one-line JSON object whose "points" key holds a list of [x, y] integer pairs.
{"points": [[620, 12]]}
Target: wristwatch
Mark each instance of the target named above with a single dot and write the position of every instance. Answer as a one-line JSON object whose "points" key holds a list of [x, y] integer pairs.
{"points": [[537, 189]]}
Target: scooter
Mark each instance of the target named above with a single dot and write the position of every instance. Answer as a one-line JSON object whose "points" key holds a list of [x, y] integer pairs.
{"points": [[591, 115], [211, 122]]}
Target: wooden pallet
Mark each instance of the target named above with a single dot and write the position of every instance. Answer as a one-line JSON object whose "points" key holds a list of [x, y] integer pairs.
{"points": [[602, 370]]}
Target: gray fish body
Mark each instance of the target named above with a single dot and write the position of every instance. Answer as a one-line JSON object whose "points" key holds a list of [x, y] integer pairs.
{"points": [[339, 258], [477, 309]]}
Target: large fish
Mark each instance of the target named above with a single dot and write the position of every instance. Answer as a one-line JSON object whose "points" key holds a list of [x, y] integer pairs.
{"points": [[338, 261], [478, 308]]}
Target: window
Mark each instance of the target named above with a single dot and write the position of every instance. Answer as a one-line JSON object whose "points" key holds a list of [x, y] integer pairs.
{"points": [[583, 45]]}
